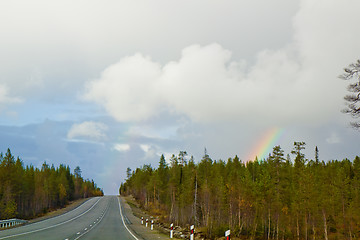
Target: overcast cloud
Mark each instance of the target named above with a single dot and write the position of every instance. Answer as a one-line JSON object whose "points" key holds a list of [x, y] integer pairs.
{"points": [[115, 84], [93, 130]]}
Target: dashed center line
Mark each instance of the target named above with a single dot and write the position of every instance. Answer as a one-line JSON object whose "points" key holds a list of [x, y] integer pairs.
{"points": [[88, 230]]}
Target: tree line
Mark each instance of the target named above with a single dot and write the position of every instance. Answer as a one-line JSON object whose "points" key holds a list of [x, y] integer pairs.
{"points": [[273, 198], [27, 192]]}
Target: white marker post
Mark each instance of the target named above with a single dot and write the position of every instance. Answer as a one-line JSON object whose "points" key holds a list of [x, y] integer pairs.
{"points": [[192, 232], [171, 230], [227, 235], [142, 220], [152, 225], [147, 222]]}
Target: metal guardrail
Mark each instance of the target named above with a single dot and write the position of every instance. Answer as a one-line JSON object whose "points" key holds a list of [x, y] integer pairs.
{"points": [[11, 222]]}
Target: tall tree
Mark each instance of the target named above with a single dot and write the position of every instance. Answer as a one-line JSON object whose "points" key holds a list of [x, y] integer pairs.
{"points": [[26, 192], [353, 99], [316, 155], [267, 199], [163, 179]]}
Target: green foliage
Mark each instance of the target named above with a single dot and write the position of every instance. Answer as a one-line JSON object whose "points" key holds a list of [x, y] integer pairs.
{"points": [[26, 192], [276, 198]]}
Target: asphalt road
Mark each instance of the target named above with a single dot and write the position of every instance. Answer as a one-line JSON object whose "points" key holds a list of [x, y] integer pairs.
{"points": [[98, 218]]}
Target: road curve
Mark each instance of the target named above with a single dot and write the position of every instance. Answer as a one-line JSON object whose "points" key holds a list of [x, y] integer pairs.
{"points": [[97, 218]]}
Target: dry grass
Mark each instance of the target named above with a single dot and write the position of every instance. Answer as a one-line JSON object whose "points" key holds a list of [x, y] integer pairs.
{"points": [[72, 205]]}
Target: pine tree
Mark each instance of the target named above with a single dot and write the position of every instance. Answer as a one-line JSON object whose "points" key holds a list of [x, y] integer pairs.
{"points": [[353, 99], [267, 199]]}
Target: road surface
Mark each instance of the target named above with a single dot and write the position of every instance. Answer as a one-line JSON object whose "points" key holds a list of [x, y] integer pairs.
{"points": [[98, 218]]}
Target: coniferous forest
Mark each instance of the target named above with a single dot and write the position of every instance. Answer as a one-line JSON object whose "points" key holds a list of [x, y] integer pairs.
{"points": [[281, 197], [27, 192]]}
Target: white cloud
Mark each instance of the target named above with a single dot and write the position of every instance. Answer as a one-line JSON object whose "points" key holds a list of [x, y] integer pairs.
{"points": [[145, 147], [206, 86], [121, 147], [5, 98], [150, 151], [294, 83], [150, 131], [128, 89], [333, 139], [92, 130]]}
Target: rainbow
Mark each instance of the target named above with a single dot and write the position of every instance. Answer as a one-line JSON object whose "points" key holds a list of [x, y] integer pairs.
{"points": [[266, 144]]}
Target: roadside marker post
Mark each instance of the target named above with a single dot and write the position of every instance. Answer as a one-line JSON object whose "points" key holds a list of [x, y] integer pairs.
{"points": [[192, 232], [142, 220], [152, 225], [171, 230], [227, 235], [147, 220]]}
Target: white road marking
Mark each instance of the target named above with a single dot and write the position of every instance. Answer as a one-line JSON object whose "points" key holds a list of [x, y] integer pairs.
{"points": [[62, 214], [41, 229], [122, 218], [94, 225]]}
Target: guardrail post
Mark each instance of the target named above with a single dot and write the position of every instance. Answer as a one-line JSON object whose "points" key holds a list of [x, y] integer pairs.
{"points": [[227, 235], [192, 232], [11, 222], [171, 230]]}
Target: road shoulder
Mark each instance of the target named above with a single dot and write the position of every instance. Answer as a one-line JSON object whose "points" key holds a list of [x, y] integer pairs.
{"points": [[136, 226], [60, 211]]}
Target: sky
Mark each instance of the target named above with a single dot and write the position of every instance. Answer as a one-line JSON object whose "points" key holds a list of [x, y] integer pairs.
{"points": [[107, 85]]}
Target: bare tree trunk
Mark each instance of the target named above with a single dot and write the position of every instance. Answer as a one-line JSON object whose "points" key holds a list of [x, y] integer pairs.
{"points": [[350, 226], [314, 231], [195, 201], [231, 214], [154, 193], [350, 235], [172, 205], [273, 234], [255, 227], [325, 226], [208, 214], [146, 200], [240, 225], [277, 228], [306, 227], [297, 227], [269, 228]]}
